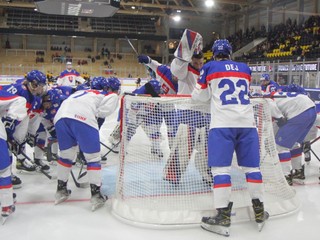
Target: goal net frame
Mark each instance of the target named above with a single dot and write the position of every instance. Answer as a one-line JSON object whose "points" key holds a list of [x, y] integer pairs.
{"points": [[145, 195]]}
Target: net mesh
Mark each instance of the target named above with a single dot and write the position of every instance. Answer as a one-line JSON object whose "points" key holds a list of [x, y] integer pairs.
{"points": [[163, 178]]}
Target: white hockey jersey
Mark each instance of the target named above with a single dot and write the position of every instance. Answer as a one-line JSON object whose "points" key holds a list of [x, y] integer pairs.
{"points": [[186, 74], [69, 78], [88, 105], [291, 105]]}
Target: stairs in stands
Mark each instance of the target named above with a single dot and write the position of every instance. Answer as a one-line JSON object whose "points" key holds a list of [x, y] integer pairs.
{"points": [[248, 47]]}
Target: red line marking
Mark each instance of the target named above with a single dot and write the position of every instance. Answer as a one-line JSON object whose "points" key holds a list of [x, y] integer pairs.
{"points": [[51, 201]]}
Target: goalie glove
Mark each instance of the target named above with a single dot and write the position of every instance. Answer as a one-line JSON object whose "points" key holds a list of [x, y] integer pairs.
{"points": [[190, 44], [281, 121], [52, 131], [10, 126], [144, 59]]}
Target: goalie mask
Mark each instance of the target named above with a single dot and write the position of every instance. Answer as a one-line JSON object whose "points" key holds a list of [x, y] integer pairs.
{"points": [[37, 83]]}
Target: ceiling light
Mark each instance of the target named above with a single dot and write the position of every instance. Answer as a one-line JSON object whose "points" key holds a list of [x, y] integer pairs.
{"points": [[209, 3], [176, 18]]}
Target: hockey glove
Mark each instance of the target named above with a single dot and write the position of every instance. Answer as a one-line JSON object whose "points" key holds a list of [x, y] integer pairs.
{"points": [[10, 126], [52, 131], [100, 122], [150, 90], [15, 147], [144, 59], [31, 139], [281, 121]]}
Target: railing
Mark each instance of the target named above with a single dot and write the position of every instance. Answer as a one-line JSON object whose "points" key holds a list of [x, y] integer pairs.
{"points": [[23, 52]]}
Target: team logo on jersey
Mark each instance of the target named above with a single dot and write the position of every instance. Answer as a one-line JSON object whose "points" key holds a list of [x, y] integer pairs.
{"points": [[165, 89], [53, 111]]}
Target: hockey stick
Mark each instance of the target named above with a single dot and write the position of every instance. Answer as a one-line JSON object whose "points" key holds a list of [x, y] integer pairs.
{"points": [[133, 48], [268, 96], [79, 185], [38, 167], [111, 149]]}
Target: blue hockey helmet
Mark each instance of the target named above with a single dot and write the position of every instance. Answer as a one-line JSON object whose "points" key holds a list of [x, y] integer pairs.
{"points": [[82, 87], [114, 83], [37, 82], [265, 77], [104, 83], [221, 47], [156, 85], [95, 84], [37, 76]]}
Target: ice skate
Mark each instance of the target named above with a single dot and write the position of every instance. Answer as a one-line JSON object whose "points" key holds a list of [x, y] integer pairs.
{"points": [[298, 175], [97, 199], [39, 163], [6, 212], [25, 165], [220, 223], [62, 193], [260, 215], [16, 182], [289, 179]]}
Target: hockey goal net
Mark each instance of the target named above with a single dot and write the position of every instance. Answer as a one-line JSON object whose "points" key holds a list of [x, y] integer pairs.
{"points": [[163, 177]]}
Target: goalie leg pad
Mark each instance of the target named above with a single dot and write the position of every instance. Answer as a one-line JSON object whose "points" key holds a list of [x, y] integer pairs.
{"points": [[179, 156]]}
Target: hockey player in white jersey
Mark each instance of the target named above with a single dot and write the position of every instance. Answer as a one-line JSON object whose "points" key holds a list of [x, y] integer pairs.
{"points": [[69, 77], [294, 114], [226, 84], [12, 110], [76, 124]]}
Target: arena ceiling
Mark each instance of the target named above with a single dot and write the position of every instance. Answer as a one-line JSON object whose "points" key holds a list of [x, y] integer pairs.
{"points": [[188, 8]]}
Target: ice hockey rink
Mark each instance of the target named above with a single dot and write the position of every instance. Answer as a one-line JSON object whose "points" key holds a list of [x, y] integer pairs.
{"points": [[37, 217]]}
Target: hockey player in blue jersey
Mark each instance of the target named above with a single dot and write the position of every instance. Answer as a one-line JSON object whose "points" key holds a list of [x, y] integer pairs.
{"points": [[226, 84], [148, 115], [12, 111], [78, 127], [32, 88], [267, 85]]}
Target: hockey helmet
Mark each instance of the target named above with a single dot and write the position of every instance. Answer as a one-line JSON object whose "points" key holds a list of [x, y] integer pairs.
{"points": [[82, 87], [114, 83], [37, 82], [156, 85], [221, 47], [95, 84], [265, 77]]}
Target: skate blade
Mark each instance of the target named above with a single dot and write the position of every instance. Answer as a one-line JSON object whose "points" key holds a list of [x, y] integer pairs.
{"points": [[17, 186], [60, 200], [4, 219], [96, 206], [298, 181], [224, 231], [21, 171], [261, 225]]}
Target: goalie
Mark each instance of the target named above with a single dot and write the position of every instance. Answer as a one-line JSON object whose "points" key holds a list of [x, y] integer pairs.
{"points": [[193, 123]]}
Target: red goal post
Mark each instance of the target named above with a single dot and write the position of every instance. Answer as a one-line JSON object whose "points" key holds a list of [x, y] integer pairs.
{"points": [[174, 188]]}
